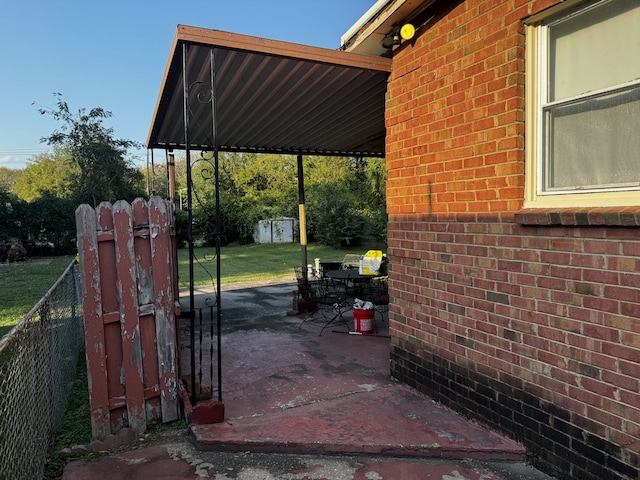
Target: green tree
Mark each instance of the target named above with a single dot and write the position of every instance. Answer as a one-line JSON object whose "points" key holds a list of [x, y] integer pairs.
{"points": [[156, 178], [328, 170], [8, 178], [373, 206], [333, 215], [54, 174], [104, 171], [267, 181], [345, 199], [51, 219], [238, 211], [12, 221], [377, 179], [345, 196], [41, 211]]}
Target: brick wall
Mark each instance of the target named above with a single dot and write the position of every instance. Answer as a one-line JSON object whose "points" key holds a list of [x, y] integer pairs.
{"points": [[529, 321]]}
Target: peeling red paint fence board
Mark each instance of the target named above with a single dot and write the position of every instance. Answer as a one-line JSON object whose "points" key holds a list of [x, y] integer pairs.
{"points": [[145, 305], [163, 257], [127, 286], [86, 224], [128, 263]]}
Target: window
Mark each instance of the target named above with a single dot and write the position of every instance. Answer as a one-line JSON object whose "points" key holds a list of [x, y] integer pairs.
{"points": [[583, 106]]}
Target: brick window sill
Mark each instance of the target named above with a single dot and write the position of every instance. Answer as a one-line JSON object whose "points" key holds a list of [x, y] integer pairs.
{"points": [[611, 216]]}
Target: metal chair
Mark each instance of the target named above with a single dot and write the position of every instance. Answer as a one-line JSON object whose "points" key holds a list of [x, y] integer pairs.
{"points": [[350, 260], [329, 299]]}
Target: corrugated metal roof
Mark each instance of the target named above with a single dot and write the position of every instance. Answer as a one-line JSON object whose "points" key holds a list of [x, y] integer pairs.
{"points": [[272, 97]]}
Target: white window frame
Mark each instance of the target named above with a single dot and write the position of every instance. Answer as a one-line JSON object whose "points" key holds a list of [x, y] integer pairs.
{"points": [[536, 83]]}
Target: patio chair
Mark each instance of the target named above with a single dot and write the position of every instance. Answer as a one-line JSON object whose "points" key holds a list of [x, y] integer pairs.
{"points": [[350, 260], [329, 299]]}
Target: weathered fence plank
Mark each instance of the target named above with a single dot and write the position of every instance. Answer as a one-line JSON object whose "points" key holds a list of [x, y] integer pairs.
{"points": [[127, 286], [146, 307], [111, 317], [87, 240], [163, 257]]}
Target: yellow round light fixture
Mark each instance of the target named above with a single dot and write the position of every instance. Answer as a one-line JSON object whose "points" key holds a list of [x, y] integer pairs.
{"points": [[407, 31]]}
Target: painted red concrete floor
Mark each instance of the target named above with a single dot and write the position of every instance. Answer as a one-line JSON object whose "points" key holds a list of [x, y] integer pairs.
{"points": [[291, 390], [303, 406], [182, 461]]}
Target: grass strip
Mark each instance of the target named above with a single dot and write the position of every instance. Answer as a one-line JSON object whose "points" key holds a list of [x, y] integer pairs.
{"points": [[23, 284], [256, 261]]}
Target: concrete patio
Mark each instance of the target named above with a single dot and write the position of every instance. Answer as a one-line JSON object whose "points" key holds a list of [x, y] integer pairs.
{"points": [[325, 401]]}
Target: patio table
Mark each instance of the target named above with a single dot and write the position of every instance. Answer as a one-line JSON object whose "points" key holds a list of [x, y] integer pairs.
{"points": [[351, 276]]}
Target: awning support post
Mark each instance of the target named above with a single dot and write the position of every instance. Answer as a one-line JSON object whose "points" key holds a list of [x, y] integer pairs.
{"points": [[216, 170], [302, 215], [187, 142]]}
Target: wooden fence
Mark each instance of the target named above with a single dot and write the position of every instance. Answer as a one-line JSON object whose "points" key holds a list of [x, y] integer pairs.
{"points": [[130, 296]]}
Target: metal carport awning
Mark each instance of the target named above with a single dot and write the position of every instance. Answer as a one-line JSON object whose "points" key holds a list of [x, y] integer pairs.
{"points": [[228, 92], [271, 97]]}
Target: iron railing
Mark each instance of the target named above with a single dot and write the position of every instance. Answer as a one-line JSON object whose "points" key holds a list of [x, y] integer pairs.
{"points": [[200, 360]]}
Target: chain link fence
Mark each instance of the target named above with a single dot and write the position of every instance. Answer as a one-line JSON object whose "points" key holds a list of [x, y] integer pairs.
{"points": [[38, 361]]}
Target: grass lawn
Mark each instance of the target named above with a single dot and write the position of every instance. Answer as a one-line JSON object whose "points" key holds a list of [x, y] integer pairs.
{"points": [[256, 262], [23, 284]]}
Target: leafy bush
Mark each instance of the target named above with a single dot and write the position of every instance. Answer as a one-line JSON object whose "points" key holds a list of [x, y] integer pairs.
{"points": [[332, 216], [376, 221], [237, 220]]}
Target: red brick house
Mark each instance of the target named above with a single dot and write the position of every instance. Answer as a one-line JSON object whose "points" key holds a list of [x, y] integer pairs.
{"points": [[513, 155]]}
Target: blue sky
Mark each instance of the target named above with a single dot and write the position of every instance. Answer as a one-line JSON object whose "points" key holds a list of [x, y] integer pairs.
{"points": [[112, 54]]}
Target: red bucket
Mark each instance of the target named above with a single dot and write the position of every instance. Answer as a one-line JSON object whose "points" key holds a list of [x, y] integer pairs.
{"points": [[363, 320]]}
